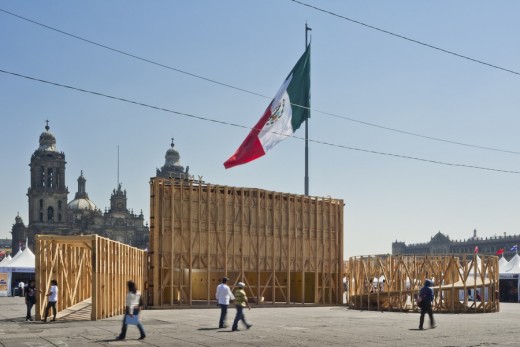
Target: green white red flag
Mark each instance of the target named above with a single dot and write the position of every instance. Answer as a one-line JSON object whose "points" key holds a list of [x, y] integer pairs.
{"points": [[284, 115]]}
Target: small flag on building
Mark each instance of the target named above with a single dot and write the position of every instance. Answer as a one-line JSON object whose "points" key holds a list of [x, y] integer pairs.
{"points": [[284, 115], [476, 250], [514, 248], [500, 251]]}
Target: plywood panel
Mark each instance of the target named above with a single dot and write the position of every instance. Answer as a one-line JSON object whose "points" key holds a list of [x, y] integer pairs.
{"points": [[88, 267], [404, 276], [201, 232]]}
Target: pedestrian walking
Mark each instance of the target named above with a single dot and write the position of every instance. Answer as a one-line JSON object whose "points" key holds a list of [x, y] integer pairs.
{"points": [[132, 310], [52, 300], [30, 299], [425, 303], [21, 287], [224, 296], [241, 302]]}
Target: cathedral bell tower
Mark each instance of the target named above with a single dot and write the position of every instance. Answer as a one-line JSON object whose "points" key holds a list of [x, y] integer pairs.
{"points": [[118, 200], [47, 193]]}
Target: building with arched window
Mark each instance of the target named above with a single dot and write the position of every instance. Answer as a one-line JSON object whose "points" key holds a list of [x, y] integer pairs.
{"points": [[51, 213]]}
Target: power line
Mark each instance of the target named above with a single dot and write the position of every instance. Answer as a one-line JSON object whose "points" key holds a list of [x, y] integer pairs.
{"points": [[422, 136], [255, 93], [249, 128], [406, 38], [132, 55]]}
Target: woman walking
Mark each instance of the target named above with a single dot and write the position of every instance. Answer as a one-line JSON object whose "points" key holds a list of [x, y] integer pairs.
{"points": [[133, 307]]}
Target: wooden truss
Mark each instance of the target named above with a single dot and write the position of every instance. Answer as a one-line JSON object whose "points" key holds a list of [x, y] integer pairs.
{"points": [[286, 248], [87, 267], [391, 283]]}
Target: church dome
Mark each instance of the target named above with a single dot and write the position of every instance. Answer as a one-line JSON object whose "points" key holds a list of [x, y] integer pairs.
{"points": [[47, 140], [81, 204], [172, 166], [172, 157], [81, 200]]}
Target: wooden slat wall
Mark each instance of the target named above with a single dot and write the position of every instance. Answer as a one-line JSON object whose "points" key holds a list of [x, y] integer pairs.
{"points": [[87, 266], [405, 275], [286, 248]]}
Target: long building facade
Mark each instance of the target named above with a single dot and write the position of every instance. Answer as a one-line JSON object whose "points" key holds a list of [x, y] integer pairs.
{"points": [[441, 244]]}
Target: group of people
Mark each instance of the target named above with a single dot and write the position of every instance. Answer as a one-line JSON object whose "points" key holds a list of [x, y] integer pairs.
{"points": [[30, 293], [133, 307], [225, 296]]}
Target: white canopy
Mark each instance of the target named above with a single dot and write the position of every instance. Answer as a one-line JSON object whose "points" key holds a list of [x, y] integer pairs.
{"points": [[5, 260], [23, 261], [502, 264], [513, 267], [3, 266]]}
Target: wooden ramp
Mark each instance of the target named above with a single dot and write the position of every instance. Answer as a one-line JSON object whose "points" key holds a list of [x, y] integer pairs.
{"points": [[87, 267], [82, 311]]}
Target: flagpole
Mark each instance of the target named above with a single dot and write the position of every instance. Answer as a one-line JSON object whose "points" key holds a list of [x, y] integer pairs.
{"points": [[307, 29]]}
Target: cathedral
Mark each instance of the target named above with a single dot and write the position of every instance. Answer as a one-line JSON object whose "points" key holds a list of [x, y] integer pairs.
{"points": [[50, 212]]}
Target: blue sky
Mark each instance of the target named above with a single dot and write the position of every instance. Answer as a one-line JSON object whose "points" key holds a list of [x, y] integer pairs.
{"points": [[356, 73]]}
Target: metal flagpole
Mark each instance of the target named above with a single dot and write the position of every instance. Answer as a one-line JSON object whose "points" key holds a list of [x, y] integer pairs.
{"points": [[307, 29]]}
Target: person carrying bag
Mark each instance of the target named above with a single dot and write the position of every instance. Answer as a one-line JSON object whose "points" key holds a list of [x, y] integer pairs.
{"points": [[132, 310]]}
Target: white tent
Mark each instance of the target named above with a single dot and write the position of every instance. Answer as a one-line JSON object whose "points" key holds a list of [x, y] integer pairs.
{"points": [[5, 260], [513, 265], [3, 266], [509, 280], [23, 262], [5, 278], [502, 264]]}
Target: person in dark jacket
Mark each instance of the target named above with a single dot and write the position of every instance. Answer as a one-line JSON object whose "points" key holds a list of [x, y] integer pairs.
{"points": [[30, 299], [426, 299]]}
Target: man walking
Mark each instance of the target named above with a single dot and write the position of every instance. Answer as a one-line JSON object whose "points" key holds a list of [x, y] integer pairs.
{"points": [[426, 299], [223, 295], [241, 302]]}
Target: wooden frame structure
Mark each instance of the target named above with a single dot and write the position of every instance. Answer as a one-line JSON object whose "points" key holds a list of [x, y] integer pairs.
{"points": [[87, 267], [286, 248], [391, 283]]}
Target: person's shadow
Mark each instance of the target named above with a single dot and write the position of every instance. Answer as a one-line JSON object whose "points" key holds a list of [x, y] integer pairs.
{"points": [[208, 328]]}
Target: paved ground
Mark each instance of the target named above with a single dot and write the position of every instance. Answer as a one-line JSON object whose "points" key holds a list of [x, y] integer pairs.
{"points": [[291, 326]]}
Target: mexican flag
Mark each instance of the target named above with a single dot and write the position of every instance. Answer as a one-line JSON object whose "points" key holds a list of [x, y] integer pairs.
{"points": [[284, 115]]}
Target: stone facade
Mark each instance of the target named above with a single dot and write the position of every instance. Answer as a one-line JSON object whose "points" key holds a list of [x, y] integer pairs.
{"points": [[441, 244], [50, 212]]}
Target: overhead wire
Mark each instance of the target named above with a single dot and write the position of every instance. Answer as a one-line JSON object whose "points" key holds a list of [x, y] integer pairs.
{"points": [[132, 55], [330, 144], [255, 93], [406, 38]]}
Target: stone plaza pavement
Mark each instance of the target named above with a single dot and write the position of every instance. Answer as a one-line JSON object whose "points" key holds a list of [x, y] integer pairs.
{"points": [[272, 326]]}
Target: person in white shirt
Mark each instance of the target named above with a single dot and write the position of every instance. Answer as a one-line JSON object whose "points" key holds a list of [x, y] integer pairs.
{"points": [[21, 287], [53, 299], [133, 307], [224, 295]]}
